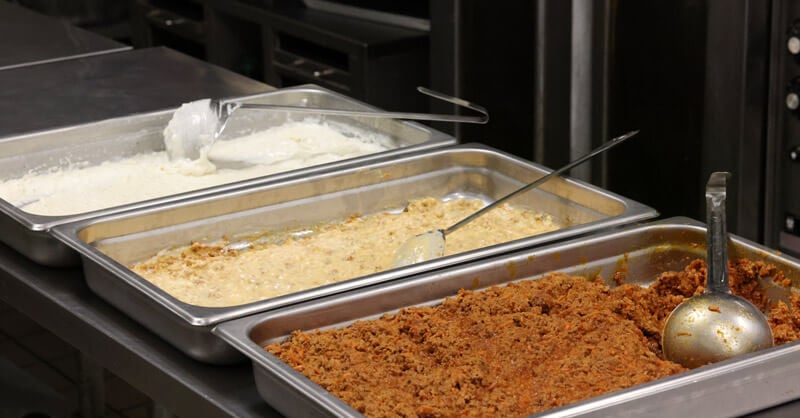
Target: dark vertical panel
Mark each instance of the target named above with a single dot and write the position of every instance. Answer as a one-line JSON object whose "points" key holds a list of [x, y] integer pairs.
{"points": [[552, 82], [443, 59], [236, 44], [497, 71], [782, 173], [780, 60], [735, 110], [588, 86], [656, 84]]}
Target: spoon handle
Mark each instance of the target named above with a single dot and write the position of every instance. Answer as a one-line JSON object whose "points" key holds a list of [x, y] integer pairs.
{"points": [[231, 106], [599, 150], [717, 236]]}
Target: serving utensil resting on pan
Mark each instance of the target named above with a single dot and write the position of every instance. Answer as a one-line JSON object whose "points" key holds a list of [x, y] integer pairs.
{"points": [[196, 125], [430, 245], [716, 325]]}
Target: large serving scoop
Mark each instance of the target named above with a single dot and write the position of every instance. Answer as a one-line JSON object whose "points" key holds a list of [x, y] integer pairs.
{"points": [[430, 245], [191, 130], [196, 125], [716, 325]]}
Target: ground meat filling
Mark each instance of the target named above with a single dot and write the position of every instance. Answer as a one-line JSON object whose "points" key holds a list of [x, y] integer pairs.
{"points": [[517, 349]]}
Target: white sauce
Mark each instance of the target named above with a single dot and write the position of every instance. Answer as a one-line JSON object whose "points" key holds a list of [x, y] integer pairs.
{"points": [[79, 189]]}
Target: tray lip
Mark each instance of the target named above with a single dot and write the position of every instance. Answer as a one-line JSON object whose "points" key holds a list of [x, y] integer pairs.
{"points": [[208, 316], [678, 221], [236, 332], [43, 223]]}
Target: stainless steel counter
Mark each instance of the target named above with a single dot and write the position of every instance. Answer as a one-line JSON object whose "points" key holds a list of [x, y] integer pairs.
{"points": [[60, 301], [29, 38], [110, 85], [92, 88]]}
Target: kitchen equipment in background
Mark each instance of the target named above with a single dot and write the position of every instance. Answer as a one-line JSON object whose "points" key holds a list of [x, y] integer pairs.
{"points": [[285, 43], [783, 129]]}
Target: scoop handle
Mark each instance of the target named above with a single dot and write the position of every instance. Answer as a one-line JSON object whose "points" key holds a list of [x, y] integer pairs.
{"points": [[717, 236], [482, 118], [599, 150]]}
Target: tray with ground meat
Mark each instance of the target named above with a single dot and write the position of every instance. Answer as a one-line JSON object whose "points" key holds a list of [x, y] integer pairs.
{"points": [[183, 268], [563, 330]]}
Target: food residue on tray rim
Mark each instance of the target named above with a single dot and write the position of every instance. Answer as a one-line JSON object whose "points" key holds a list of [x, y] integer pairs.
{"points": [[512, 269], [476, 283], [595, 274], [622, 262], [621, 271]]}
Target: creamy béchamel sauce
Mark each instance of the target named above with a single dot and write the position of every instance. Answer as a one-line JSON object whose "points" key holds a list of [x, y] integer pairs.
{"points": [[83, 188], [211, 275]]}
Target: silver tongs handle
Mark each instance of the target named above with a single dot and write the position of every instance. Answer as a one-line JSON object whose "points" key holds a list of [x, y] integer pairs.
{"points": [[226, 108]]}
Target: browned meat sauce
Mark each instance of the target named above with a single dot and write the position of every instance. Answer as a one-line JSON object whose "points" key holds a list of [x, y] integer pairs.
{"points": [[516, 349]]}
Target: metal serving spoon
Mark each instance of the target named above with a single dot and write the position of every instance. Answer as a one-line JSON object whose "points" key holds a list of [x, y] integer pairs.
{"points": [[196, 125], [430, 245], [716, 325]]}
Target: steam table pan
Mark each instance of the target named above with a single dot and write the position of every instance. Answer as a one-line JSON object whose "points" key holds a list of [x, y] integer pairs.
{"points": [[109, 244], [96, 142], [730, 388]]}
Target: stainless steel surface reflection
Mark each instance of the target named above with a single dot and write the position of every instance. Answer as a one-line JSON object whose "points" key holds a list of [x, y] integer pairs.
{"points": [[29, 38]]}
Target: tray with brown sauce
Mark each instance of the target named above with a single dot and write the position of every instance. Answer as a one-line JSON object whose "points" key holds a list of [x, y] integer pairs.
{"points": [[435, 362], [182, 268]]}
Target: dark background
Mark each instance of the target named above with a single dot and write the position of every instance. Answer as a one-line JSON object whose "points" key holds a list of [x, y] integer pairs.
{"points": [[704, 80]]}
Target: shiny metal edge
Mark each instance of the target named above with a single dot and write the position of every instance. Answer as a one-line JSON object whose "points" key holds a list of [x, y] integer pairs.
{"points": [[36, 243], [69, 57], [110, 279], [729, 388]]}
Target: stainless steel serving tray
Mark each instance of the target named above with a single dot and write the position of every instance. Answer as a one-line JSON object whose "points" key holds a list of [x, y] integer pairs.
{"points": [[96, 142], [730, 388], [111, 243]]}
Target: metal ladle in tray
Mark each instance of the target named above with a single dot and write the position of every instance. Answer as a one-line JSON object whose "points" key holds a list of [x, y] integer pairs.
{"points": [[430, 245], [198, 124], [716, 325]]}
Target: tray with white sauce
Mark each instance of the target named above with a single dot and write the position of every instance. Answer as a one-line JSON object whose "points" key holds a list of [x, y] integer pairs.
{"points": [[69, 174], [320, 235], [733, 387]]}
